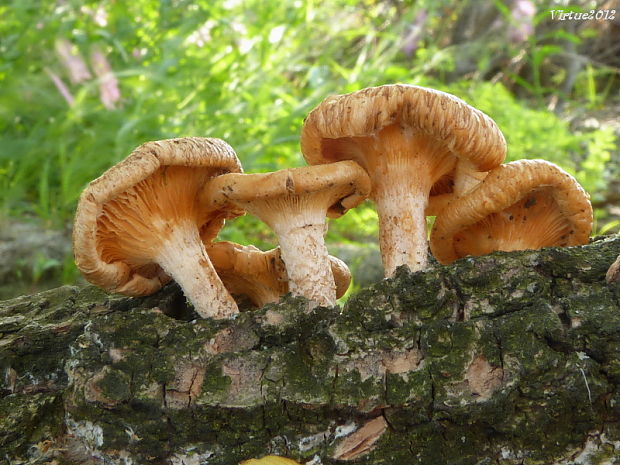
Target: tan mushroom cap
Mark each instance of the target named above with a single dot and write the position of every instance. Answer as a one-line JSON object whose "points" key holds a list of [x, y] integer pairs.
{"points": [[294, 203], [407, 138], [455, 184], [123, 214], [465, 131], [345, 185], [613, 273], [526, 204], [261, 276], [342, 275], [270, 460]]}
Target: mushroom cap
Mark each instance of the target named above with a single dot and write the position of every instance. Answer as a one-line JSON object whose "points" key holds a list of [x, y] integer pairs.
{"points": [[613, 273], [465, 130], [511, 192], [342, 275], [246, 270], [345, 183], [118, 275], [270, 460]]}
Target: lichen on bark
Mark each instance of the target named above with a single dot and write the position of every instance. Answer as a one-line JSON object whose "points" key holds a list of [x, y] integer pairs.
{"points": [[511, 358]]}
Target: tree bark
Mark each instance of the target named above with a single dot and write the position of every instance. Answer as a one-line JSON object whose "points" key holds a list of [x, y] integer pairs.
{"points": [[510, 358]]}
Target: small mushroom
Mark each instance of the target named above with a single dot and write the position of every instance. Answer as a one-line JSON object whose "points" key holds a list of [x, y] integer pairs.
{"points": [[270, 460], [407, 138], [140, 223], [613, 273], [294, 203], [261, 276], [526, 204]]}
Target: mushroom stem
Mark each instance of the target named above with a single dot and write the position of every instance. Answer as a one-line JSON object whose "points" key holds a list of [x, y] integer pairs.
{"points": [[183, 256], [402, 226], [303, 250]]}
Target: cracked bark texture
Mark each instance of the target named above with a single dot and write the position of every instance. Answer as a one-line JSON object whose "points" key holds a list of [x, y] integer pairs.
{"points": [[511, 358]]}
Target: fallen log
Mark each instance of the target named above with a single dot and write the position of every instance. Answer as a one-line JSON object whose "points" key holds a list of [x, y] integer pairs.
{"points": [[510, 358]]}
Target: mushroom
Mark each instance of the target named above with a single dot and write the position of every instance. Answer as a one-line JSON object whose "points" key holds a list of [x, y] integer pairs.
{"points": [[270, 460], [294, 203], [407, 138], [526, 204], [613, 273], [140, 223], [246, 270], [461, 180]]}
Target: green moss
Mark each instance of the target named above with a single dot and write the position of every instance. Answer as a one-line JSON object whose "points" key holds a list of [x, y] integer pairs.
{"points": [[114, 385], [447, 346], [587, 264], [425, 295], [351, 390], [27, 419], [215, 383], [413, 390], [304, 382]]}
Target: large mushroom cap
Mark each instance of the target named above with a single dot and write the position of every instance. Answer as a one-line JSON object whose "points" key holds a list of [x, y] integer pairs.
{"points": [[408, 138], [127, 193], [464, 130], [526, 204]]}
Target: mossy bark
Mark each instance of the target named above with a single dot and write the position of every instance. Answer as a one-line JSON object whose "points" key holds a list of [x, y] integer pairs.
{"points": [[503, 359]]}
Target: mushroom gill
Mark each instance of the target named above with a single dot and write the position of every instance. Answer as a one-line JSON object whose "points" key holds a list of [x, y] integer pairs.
{"points": [[531, 223]]}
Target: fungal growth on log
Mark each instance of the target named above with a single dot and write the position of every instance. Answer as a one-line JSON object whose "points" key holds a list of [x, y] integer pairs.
{"points": [[294, 203], [415, 152], [407, 138], [140, 223], [526, 204]]}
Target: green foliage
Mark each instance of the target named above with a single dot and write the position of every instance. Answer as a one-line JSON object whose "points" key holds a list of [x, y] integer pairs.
{"points": [[247, 72], [535, 133]]}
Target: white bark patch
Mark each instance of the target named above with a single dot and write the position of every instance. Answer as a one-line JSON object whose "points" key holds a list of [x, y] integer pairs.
{"points": [[590, 452], [274, 318], [117, 355], [191, 458], [89, 434], [316, 460], [310, 442], [332, 434], [482, 378], [185, 387], [362, 441], [344, 430]]}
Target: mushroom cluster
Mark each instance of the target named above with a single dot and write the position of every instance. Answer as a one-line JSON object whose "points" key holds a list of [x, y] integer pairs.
{"points": [[154, 216], [415, 152]]}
